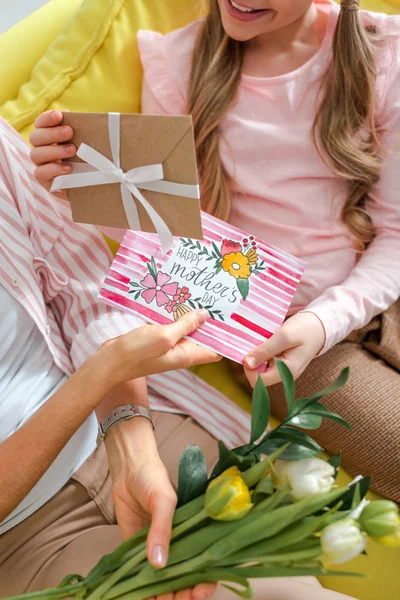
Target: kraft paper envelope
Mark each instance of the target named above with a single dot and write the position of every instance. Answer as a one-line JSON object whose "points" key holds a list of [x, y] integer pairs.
{"points": [[144, 140]]}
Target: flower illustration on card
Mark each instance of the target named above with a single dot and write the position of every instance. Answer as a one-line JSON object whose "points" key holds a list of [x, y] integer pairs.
{"points": [[229, 246], [156, 285], [239, 259], [237, 265], [158, 288]]}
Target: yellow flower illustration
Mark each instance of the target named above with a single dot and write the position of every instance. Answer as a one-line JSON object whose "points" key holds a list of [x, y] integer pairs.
{"points": [[252, 256], [181, 310], [237, 265]]}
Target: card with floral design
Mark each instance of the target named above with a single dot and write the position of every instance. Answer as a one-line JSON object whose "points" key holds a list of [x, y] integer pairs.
{"points": [[246, 285]]}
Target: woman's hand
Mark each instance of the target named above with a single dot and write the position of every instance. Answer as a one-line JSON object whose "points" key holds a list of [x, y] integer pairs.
{"points": [[154, 349], [297, 342], [143, 494], [49, 147]]}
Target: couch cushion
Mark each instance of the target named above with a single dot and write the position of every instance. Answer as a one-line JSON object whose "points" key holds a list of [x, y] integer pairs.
{"points": [[94, 64]]}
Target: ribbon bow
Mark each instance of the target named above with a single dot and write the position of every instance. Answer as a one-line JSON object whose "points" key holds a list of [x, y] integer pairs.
{"points": [[99, 170]]}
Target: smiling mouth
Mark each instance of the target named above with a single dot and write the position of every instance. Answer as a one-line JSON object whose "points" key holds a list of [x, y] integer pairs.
{"points": [[244, 9], [244, 13]]}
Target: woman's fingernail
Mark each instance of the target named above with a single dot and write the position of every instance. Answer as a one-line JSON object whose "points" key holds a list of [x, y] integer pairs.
{"points": [[251, 361], [203, 316], [158, 556]]}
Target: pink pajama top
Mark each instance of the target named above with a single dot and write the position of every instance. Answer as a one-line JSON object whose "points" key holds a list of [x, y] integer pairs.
{"points": [[283, 192]]}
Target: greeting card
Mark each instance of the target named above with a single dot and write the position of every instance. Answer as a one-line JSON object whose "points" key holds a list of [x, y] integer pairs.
{"points": [[246, 284]]}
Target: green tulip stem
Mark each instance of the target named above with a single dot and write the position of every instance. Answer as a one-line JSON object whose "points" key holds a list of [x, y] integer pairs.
{"points": [[182, 583], [50, 594], [267, 559], [127, 567], [257, 472], [255, 526]]}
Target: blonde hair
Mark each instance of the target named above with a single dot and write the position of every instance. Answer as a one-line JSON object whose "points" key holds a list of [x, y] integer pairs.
{"points": [[344, 130]]}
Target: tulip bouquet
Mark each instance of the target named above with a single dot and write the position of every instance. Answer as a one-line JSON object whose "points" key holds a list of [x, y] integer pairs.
{"points": [[269, 509]]}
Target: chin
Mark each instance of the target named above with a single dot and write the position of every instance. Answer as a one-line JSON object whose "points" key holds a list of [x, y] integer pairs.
{"points": [[237, 33]]}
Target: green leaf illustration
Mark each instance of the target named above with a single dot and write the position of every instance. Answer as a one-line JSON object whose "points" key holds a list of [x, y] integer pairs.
{"points": [[217, 250], [243, 287], [152, 267]]}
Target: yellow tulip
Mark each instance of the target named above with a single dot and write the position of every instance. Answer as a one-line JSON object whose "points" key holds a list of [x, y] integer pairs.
{"points": [[228, 497], [392, 540]]}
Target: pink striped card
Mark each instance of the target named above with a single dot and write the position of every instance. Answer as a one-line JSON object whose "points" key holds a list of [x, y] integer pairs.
{"points": [[246, 285]]}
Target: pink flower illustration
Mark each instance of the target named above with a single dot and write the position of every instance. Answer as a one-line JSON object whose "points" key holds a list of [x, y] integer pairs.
{"points": [[158, 288], [171, 306], [229, 246], [182, 294]]}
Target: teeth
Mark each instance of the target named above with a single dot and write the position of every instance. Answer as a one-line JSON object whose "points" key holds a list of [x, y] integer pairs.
{"points": [[241, 8]]}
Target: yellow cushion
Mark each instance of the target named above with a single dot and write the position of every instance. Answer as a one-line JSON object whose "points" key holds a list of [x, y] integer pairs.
{"points": [[37, 32], [93, 65]]}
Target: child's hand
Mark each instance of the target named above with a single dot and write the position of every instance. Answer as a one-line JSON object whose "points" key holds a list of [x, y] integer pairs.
{"points": [[49, 148], [297, 342]]}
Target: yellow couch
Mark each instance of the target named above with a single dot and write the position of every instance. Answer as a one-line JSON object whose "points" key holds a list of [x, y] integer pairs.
{"points": [[82, 55]]}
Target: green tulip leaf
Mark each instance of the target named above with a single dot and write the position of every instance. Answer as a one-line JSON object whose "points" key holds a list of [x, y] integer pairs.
{"points": [[301, 446], [357, 492], [243, 287], [264, 489], [261, 410], [336, 461], [334, 387], [287, 382], [306, 420], [192, 479], [232, 458], [302, 408], [319, 409]]}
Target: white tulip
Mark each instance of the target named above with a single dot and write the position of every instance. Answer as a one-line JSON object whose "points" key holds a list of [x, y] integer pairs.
{"points": [[342, 541], [308, 477]]}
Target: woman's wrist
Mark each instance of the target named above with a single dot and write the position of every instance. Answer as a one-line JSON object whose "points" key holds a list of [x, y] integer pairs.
{"points": [[130, 442]]}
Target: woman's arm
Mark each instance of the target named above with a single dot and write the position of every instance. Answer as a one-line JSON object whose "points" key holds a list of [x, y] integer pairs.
{"points": [[28, 453]]}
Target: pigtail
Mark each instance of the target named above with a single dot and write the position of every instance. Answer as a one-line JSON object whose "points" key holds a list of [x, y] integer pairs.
{"points": [[345, 125], [214, 81]]}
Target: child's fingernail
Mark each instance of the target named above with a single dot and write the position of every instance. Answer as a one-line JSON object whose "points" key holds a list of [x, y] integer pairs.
{"points": [[158, 556], [251, 361], [203, 316], [66, 168]]}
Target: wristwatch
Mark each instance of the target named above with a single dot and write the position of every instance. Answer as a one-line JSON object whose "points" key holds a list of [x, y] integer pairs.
{"points": [[122, 413]]}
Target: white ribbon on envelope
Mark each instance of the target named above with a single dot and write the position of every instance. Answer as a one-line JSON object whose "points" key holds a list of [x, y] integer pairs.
{"points": [[99, 170]]}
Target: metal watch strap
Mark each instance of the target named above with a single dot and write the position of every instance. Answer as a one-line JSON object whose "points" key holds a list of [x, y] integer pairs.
{"points": [[122, 413]]}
